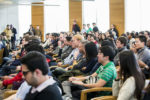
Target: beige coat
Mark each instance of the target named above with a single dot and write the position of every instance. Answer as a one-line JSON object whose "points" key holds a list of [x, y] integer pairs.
{"points": [[8, 34], [126, 90]]}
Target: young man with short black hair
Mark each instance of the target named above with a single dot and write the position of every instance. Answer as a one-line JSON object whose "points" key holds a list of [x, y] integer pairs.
{"points": [[105, 74], [35, 71], [121, 46], [143, 54]]}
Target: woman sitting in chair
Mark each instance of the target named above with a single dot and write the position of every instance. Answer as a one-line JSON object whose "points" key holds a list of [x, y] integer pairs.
{"points": [[130, 81]]}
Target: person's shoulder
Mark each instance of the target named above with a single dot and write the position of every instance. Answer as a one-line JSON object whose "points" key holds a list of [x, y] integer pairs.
{"points": [[52, 91], [111, 67], [130, 79], [51, 88]]}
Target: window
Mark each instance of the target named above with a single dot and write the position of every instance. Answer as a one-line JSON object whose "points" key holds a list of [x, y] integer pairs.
{"points": [[24, 19], [137, 15], [57, 16], [96, 11]]}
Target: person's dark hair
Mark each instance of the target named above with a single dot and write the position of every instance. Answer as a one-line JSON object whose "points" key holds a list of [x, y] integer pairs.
{"points": [[133, 35], [34, 39], [55, 34], [48, 34], [35, 60], [68, 38], [111, 36], [29, 33], [106, 43], [123, 40], [108, 51], [93, 23], [3, 33], [34, 47], [129, 67], [124, 35], [141, 33], [91, 50], [142, 38], [94, 37], [27, 38]]}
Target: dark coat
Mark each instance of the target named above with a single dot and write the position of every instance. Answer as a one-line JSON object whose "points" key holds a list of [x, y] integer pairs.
{"points": [[76, 28]]}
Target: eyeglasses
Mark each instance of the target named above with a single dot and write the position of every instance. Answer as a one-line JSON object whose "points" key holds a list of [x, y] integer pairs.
{"points": [[25, 73]]}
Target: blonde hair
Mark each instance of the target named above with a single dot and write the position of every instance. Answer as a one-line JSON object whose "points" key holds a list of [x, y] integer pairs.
{"points": [[78, 37]]}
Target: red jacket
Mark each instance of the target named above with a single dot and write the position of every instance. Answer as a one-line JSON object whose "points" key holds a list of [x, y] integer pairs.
{"points": [[18, 77]]}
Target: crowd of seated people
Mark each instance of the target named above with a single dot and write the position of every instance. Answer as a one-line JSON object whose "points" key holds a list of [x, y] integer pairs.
{"points": [[65, 64]]}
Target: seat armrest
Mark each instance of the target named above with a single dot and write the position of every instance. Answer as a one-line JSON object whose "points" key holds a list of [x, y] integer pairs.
{"points": [[85, 91]]}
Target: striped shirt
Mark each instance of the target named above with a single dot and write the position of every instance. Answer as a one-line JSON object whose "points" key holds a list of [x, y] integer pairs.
{"points": [[107, 73]]}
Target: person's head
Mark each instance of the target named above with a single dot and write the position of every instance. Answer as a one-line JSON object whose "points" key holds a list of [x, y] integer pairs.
{"points": [[148, 43], [3, 34], [25, 40], [74, 22], [47, 35], [91, 50], [8, 27], [34, 39], [31, 26], [89, 37], [68, 40], [84, 26], [146, 33], [103, 36], [140, 41], [76, 40], [129, 67], [34, 67], [94, 24], [11, 26], [121, 42], [61, 37], [112, 26], [107, 43], [38, 27], [106, 53], [93, 38], [82, 46], [34, 47], [88, 25]]}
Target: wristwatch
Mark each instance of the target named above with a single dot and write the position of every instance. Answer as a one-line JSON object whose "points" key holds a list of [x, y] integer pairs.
{"points": [[117, 79], [146, 67]]}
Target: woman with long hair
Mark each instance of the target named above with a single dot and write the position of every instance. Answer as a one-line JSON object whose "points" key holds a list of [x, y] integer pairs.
{"points": [[130, 76]]}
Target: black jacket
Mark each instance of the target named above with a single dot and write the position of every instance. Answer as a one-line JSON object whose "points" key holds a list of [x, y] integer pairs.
{"points": [[76, 28], [95, 29]]}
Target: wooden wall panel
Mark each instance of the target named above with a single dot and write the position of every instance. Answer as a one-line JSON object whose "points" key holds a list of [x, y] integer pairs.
{"points": [[38, 17], [117, 14], [75, 12]]}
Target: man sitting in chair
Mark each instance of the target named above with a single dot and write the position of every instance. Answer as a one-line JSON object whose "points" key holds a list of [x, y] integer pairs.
{"points": [[105, 74]]}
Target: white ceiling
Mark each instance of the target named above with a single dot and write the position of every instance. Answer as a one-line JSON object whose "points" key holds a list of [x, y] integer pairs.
{"points": [[27, 2]]}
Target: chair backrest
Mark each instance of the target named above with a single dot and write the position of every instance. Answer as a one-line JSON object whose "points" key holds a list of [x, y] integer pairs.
{"points": [[105, 98], [1, 55]]}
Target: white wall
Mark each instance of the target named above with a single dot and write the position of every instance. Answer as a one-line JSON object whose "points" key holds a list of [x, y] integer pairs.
{"points": [[137, 15], [56, 18], [96, 11], [8, 15], [24, 19]]}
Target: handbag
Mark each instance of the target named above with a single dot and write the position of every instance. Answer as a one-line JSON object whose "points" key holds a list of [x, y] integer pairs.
{"points": [[91, 80]]}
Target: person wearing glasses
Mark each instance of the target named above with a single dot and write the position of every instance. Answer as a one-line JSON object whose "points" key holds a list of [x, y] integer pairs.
{"points": [[35, 71]]}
